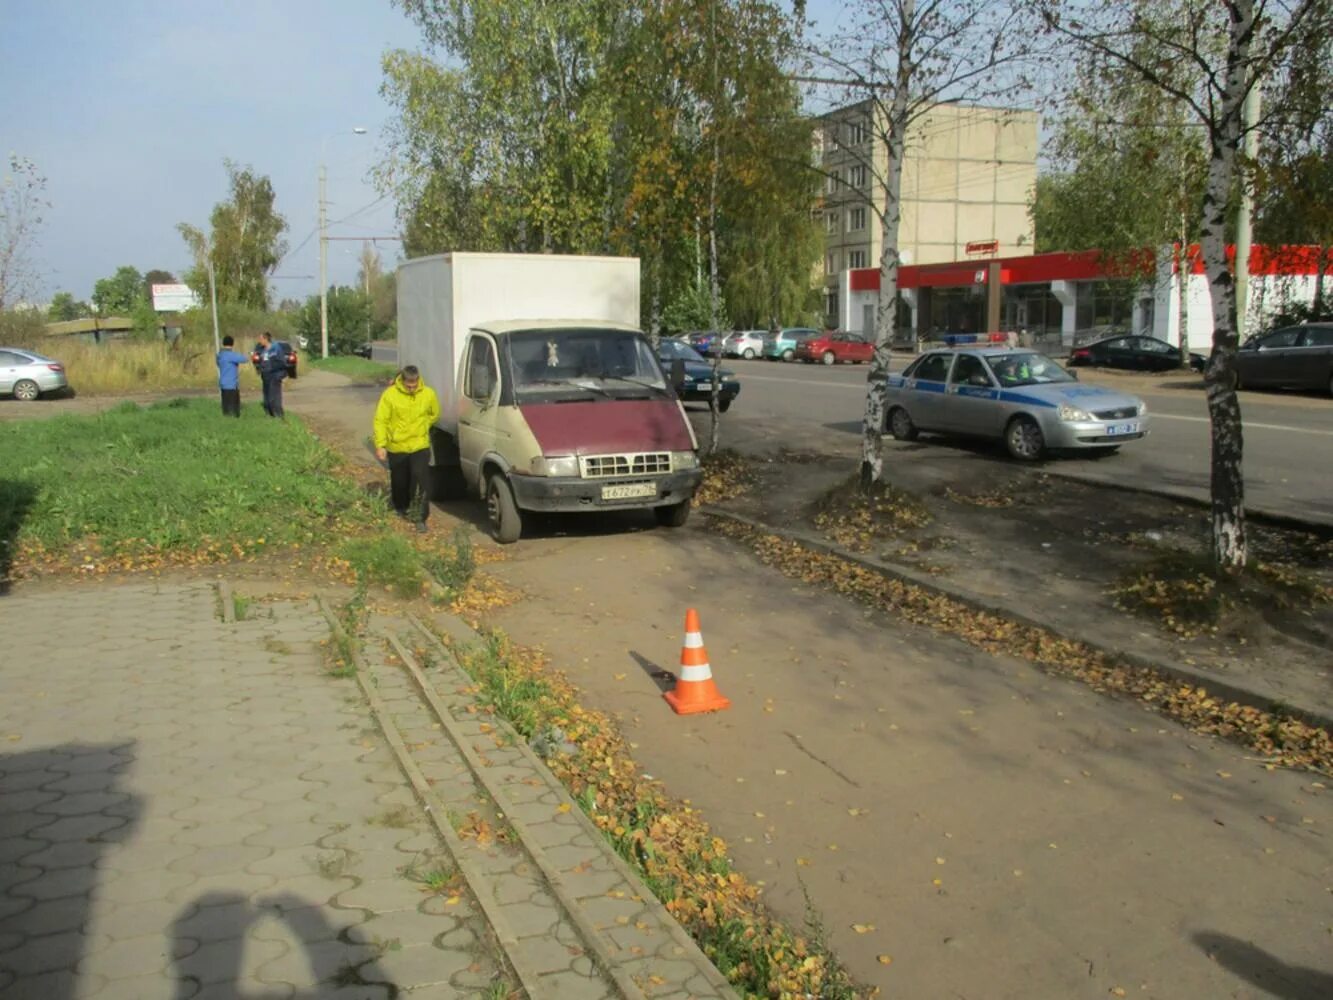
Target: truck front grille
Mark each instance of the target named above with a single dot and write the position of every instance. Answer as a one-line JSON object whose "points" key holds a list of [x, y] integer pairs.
{"points": [[640, 464]]}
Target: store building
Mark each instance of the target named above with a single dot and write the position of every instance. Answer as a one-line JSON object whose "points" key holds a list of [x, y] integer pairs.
{"points": [[968, 175], [1064, 298]]}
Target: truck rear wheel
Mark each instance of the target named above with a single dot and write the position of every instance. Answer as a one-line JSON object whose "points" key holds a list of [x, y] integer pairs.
{"points": [[506, 522], [673, 515]]}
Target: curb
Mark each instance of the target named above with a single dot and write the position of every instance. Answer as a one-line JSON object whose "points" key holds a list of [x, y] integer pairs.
{"points": [[460, 630], [1231, 692], [477, 883]]}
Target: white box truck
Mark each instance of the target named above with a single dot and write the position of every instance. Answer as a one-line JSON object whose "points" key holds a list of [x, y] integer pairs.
{"points": [[550, 397]]}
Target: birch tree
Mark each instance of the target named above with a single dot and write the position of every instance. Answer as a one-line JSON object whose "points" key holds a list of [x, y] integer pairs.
{"points": [[1233, 45], [22, 204], [902, 58]]}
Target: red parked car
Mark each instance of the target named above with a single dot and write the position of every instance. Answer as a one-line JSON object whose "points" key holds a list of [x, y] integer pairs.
{"points": [[833, 346]]}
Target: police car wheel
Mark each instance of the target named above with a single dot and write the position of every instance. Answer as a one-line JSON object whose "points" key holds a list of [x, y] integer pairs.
{"points": [[1024, 439], [900, 425]]}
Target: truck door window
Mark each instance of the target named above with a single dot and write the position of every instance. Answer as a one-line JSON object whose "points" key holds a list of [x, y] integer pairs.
{"points": [[481, 370]]}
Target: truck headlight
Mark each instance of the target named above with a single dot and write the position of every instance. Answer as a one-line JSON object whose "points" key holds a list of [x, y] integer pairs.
{"points": [[1073, 413], [684, 460], [563, 466]]}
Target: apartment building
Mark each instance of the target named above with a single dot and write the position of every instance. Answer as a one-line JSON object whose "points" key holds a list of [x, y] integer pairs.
{"points": [[968, 175]]}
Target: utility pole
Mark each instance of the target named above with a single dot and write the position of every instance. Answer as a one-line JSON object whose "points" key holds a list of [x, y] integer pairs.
{"points": [[213, 299], [324, 242], [323, 267], [1249, 115]]}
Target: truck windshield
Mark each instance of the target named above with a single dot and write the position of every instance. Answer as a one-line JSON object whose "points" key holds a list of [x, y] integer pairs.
{"points": [[607, 362]]}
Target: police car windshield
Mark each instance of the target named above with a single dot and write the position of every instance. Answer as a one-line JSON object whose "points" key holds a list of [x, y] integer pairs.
{"points": [[1026, 368]]}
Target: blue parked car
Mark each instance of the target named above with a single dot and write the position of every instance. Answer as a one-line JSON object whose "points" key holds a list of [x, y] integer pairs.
{"points": [[1019, 397], [705, 341], [782, 345], [697, 385]]}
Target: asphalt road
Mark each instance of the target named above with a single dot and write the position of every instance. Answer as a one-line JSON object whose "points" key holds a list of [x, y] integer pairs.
{"points": [[1288, 436]]}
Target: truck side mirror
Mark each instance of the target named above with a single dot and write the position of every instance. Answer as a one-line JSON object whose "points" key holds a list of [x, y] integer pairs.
{"points": [[678, 374]]}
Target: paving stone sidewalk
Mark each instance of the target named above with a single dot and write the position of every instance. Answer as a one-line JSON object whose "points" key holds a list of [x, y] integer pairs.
{"points": [[193, 808]]}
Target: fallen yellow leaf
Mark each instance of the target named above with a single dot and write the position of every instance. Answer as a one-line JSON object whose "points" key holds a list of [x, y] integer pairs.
{"points": [[564, 807], [803, 862], [939, 861], [779, 771], [451, 901], [863, 928], [884, 959]]}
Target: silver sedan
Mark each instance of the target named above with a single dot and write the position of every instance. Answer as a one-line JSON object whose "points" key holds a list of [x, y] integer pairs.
{"points": [[26, 374], [1020, 397]]}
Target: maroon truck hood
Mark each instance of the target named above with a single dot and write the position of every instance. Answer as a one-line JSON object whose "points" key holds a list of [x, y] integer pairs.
{"points": [[607, 426]]}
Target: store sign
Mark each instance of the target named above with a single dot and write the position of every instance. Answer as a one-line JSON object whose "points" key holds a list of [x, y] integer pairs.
{"points": [[982, 246]]}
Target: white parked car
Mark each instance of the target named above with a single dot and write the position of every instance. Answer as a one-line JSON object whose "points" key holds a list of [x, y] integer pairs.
{"points": [[745, 344]]}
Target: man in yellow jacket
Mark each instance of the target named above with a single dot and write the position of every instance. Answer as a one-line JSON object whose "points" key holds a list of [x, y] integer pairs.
{"points": [[406, 412]]}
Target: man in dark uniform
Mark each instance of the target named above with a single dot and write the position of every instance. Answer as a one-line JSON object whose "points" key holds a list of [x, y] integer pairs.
{"points": [[272, 363]]}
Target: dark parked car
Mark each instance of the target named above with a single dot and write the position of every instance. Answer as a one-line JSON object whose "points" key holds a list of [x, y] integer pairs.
{"points": [[1132, 353], [286, 348], [362, 351], [697, 383], [1292, 357], [705, 341]]}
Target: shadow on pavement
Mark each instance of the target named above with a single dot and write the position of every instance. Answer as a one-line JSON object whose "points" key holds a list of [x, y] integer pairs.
{"points": [[1269, 973], [229, 916], [66, 801], [663, 678], [16, 499]]}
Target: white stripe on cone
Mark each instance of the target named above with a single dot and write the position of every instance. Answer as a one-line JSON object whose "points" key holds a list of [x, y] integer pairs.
{"points": [[702, 672], [693, 640]]}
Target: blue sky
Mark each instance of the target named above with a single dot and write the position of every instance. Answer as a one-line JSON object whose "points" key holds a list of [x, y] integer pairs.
{"points": [[129, 108]]}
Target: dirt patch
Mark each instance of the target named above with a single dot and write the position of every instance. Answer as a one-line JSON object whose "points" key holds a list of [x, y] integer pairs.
{"points": [[1122, 570]]}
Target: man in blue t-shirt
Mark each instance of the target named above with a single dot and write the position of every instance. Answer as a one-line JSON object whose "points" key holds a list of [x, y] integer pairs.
{"points": [[229, 377]]}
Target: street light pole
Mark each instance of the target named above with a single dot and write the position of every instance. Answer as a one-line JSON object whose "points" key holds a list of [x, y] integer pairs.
{"points": [[323, 265], [324, 243]]}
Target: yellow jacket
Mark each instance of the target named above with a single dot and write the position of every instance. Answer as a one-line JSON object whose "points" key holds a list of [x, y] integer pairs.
{"points": [[403, 420]]}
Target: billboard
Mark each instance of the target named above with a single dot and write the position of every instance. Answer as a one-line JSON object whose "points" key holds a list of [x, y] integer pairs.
{"points": [[174, 298]]}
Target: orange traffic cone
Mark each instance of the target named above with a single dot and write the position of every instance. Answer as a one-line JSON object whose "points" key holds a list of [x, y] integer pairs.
{"points": [[695, 690]]}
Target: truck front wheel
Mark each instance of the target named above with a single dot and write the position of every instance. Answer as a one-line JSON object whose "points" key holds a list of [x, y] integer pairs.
{"points": [[673, 515], [506, 522]]}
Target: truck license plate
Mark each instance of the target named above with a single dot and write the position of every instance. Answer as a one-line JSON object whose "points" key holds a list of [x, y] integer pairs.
{"points": [[1129, 428], [628, 491]]}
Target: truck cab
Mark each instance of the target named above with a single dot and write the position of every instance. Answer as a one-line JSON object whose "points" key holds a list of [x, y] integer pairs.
{"points": [[570, 416]]}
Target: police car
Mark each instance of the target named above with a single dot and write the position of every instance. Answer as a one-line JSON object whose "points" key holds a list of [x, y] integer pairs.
{"points": [[1018, 396]]}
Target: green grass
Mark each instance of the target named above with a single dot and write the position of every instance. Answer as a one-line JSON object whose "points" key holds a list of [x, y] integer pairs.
{"points": [[453, 570], [173, 476], [386, 560], [350, 366]]}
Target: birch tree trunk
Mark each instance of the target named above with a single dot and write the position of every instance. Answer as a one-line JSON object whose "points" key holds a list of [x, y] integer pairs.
{"points": [[1228, 485], [1184, 268], [886, 313], [714, 290]]}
